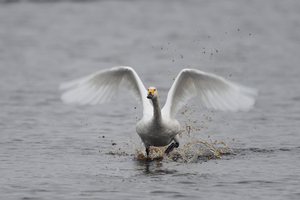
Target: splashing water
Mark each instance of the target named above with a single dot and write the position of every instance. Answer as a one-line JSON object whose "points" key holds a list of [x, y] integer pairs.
{"points": [[196, 151]]}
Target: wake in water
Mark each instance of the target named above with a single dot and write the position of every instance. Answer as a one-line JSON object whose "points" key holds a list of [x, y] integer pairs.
{"points": [[198, 151], [191, 152]]}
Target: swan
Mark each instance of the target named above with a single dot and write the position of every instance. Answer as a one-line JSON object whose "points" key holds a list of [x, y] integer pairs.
{"points": [[159, 127]]}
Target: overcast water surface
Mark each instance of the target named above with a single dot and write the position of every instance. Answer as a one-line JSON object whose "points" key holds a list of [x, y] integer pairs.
{"points": [[49, 150]]}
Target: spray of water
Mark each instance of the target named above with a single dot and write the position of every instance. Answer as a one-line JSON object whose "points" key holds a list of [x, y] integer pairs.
{"points": [[195, 151]]}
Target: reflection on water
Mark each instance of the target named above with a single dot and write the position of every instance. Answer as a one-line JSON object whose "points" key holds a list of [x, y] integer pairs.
{"points": [[153, 167]]}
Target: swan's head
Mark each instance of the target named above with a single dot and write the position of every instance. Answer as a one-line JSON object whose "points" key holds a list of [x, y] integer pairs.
{"points": [[152, 93]]}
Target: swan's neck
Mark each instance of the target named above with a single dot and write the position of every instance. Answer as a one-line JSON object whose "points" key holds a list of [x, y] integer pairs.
{"points": [[156, 109]]}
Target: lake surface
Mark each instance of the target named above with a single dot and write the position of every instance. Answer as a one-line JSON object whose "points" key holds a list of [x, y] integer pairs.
{"points": [[49, 150]]}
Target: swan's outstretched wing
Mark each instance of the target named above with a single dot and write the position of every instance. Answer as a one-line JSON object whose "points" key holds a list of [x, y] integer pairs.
{"points": [[211, 90], [103, 85]]}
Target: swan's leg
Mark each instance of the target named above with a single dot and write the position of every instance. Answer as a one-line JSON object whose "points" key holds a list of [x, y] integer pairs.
{"points": [[171, 147], [176, 140], [147, 151]]}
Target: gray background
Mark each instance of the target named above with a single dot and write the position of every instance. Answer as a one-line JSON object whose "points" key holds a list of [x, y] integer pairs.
{"points": [[49, 150]]}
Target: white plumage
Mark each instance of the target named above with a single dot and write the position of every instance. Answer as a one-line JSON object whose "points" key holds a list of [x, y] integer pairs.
{"points": [[158, 127]]}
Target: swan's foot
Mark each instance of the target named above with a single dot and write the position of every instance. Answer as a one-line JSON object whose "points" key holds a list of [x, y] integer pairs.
{"points": [[171, 147]]}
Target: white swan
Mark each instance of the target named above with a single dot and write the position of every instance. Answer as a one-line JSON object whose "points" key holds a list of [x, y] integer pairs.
{"points": [[158, 127]]}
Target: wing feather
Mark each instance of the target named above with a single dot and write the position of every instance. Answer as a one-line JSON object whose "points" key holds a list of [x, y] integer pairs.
{"points": [[211, 91], [103, 85]]}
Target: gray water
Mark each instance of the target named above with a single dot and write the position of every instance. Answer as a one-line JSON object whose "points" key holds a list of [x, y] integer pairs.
{"points": [[49, 150]]}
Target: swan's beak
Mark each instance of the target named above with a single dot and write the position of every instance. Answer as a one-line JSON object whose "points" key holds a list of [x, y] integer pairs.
{"points": [[150, 96]]}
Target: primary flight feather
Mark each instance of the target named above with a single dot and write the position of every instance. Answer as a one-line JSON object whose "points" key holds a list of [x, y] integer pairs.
{"points": [[158, 127]]}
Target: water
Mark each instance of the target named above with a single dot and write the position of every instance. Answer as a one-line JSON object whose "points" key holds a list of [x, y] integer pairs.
{"points": [[49, 150]]}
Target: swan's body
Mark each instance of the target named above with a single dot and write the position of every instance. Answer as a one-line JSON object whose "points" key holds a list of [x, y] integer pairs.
{"points": [[158, 127], [157, 132]]}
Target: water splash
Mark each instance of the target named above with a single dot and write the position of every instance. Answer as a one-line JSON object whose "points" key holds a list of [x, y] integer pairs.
{"points": [[192, 152]]}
